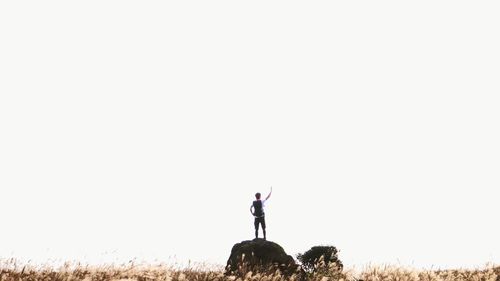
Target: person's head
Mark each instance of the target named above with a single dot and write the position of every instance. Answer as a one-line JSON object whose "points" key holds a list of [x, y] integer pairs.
{"points": [[257, 195]]}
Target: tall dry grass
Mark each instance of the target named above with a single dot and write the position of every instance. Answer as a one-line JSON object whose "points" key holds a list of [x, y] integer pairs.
{"points": [[16, 271]]}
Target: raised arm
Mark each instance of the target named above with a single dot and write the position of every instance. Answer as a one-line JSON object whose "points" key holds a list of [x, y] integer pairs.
{"points": [[269, 195]]}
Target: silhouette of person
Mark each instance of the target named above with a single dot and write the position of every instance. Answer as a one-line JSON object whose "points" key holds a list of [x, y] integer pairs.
{"points": [[258, 212]]}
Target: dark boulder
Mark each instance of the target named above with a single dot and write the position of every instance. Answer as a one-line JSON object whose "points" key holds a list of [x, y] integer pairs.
{"points": [[259, 255]]}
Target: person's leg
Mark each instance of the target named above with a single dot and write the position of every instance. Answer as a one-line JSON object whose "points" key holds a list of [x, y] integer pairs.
{"points": [[256, 224], [263, 222]]}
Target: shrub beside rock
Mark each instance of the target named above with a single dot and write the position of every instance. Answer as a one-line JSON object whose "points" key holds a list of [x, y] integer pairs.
{"points": [[320, 258]]}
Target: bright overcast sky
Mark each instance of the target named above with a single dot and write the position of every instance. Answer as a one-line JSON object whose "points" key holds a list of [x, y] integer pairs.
{"points": [[144, 128]]}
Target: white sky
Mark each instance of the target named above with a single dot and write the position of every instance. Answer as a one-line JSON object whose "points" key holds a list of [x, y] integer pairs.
{"points": [[143, 129]]}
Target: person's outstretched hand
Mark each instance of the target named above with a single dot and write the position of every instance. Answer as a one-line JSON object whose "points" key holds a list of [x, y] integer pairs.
{"points": [[269, 193]]}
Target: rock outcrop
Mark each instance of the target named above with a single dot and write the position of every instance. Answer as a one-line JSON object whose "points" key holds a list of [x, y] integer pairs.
{"points": [[259, 255]]}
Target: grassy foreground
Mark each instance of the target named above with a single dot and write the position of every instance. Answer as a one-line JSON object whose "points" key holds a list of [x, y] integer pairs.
{"points": [[12, 270]]}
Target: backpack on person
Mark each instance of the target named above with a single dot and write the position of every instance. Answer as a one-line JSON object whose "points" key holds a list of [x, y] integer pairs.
{"points": [[258, 210]]}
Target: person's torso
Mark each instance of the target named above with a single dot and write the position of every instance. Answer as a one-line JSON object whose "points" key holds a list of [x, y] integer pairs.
{"points": [[258, 208]]}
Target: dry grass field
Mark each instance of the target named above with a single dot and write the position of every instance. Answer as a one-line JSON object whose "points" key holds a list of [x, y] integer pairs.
{"points": [[13, 270]]}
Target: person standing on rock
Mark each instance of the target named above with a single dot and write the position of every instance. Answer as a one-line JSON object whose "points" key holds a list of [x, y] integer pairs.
{"points": [[258, 213]]}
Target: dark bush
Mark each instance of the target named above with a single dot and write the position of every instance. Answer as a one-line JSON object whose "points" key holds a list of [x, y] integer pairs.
{"points": [[320, 258]]}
